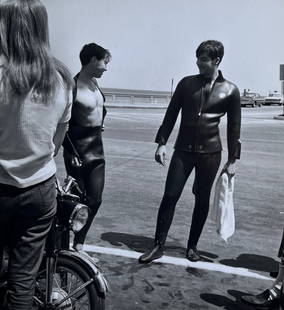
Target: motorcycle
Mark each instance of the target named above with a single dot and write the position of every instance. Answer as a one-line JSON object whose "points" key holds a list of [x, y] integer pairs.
{"points": [[66, 279]]}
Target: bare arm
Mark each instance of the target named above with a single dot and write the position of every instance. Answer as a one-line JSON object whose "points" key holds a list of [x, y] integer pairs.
{"points": [[63, 123], [59, 136]]}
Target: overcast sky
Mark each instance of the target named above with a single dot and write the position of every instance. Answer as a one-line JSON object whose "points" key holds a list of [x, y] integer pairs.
{"points": [[153, 41]]}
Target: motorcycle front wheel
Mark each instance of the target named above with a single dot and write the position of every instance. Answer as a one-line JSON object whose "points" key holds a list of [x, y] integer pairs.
{"points": [[71, 288]]}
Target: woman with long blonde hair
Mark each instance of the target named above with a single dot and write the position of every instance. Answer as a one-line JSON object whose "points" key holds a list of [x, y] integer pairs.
{"points": [[35, 107]]}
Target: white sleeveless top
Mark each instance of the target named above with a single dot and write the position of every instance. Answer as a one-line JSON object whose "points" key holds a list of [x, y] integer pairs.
{"points": [[27, 129]]}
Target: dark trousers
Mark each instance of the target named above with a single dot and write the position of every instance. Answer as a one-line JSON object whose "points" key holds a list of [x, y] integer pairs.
{"points": [[181, 166], [91, 179], [25, 219]]}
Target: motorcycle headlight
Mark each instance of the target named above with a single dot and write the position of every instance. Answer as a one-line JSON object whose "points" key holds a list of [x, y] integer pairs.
{"points": [[78, 217]]}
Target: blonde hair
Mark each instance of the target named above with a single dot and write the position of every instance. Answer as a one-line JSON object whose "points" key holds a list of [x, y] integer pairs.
{"points": [[24, 42]]}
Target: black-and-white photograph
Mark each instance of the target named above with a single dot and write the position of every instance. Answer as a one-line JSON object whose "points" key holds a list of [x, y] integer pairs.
{"points": [[142, 155]]}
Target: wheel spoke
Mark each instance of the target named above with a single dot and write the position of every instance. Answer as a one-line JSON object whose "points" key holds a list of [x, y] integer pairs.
{"points": [[76, 291], [69, 290]]}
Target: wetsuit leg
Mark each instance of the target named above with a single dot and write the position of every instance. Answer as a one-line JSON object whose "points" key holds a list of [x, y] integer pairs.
{"points": [[206, 168], [94, 181], [180, 168]]}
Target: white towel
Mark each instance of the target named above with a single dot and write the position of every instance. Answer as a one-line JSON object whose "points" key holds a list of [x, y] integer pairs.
{"points": [[223, 206]]}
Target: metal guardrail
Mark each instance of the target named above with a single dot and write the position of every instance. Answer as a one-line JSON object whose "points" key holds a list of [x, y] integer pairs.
{"points": [[134, 96]]}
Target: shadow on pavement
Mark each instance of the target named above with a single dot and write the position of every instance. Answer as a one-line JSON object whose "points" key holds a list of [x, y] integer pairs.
{"points": [[252, 262], [134, 242], [225, 302], [141, 244]]}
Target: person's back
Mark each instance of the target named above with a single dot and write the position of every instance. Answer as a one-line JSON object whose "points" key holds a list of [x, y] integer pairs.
{"points": [[27, 129]]}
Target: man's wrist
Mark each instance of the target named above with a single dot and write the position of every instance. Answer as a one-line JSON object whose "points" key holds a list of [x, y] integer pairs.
{"points": [[231, 161]]}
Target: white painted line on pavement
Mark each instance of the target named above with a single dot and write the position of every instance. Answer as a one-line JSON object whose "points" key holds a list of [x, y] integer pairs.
{"points": [[124, 118], [132, 158], [178, 262], [127, 141]]}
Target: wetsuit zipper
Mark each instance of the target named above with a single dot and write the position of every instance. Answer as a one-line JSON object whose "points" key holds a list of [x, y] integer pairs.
{"points": [[202, 101], [198, 119]]}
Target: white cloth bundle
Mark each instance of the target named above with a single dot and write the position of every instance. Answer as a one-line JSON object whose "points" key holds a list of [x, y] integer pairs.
{"points": [[223, 206]]}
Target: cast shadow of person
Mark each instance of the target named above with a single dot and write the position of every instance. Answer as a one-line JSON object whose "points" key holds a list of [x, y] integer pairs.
{"points": [[141, 243], [224, 302], [252, 262], [133, 242]]}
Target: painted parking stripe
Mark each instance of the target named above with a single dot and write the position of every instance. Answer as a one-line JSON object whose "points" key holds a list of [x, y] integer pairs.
{"points": [[178, 262]]}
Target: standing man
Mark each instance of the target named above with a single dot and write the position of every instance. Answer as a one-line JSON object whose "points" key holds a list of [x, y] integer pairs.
{"points": [[85, 132], [203, 99]]}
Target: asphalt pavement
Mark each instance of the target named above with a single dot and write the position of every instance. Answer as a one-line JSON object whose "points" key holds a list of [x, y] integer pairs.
{"points": [[125, 224]]}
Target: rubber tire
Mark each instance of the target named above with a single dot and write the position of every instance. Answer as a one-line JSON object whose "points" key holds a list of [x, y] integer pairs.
{"points": [[97, 302]]}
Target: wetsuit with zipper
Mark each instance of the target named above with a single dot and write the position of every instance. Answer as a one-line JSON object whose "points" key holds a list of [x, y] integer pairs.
{"points": [[198, 146]]}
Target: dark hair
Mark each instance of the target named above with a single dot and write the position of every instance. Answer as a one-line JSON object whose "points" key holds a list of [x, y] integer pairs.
{"points": [[212, 48], [90, 50], [24, 42]]}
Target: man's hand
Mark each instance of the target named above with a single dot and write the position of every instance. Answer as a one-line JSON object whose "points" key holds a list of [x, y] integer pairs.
{"points": [[230, 166], [160, 155], [75, 161]]}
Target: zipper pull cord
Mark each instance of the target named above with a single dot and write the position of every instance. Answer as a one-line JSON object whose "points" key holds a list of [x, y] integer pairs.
{"points": [[201, 100]]}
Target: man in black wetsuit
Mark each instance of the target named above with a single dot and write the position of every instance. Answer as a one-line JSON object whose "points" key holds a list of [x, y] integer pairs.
{"points": [[84, 140], [203, 99]]}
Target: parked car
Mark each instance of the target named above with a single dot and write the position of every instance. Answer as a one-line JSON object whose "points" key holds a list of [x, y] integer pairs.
{"points": [[274, 98], [252, 99], [258, 99]]}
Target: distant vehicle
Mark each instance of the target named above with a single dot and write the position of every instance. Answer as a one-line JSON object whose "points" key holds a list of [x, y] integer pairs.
{"points": [[273, 98], [252, 99]]}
